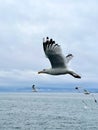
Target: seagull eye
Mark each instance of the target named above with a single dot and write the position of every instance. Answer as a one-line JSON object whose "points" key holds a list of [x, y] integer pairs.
{"points": [[44, 69]]}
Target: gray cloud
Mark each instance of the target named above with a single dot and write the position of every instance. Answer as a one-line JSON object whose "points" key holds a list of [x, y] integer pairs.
{"points": [[23, 24]]}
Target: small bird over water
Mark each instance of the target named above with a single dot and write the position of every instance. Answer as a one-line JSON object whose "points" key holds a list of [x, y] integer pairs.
{"points": [[33, 88], [58, 61]]}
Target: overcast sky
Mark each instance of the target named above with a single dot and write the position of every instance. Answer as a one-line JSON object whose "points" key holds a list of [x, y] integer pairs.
{"points": [[23, 23]]}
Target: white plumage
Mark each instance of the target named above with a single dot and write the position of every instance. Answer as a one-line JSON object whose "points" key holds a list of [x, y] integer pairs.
{"points": [[58, 61]]}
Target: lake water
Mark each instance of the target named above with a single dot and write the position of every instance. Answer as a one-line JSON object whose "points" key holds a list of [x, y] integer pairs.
{"points": [[48, 111]]}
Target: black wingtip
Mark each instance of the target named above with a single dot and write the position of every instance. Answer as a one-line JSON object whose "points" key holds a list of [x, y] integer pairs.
{"points": [[77, 76], [69, 55]]}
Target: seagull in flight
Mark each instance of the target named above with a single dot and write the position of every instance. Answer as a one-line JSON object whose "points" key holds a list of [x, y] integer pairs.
{"points": [[59, 63]]}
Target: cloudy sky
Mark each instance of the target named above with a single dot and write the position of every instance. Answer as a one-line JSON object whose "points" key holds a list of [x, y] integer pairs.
{"points": [[23, 23]]}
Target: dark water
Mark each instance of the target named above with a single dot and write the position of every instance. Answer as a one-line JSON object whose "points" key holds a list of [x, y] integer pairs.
{"points": [[48, 111]]}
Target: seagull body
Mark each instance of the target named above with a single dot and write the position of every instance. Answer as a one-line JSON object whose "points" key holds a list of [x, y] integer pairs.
{"points": [[86, 92], [58, 61]]}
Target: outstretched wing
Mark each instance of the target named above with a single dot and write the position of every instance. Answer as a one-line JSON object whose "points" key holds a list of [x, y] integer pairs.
{"points": [[68, 58], [53, 53]]}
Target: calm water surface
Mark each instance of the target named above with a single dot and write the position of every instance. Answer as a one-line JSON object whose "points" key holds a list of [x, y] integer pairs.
{"points": [[48, 111]]}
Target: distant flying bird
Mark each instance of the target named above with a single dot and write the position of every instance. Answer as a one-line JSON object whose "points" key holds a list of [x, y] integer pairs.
{"points": [[86, 92], [33, 88], [58, 61]]}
